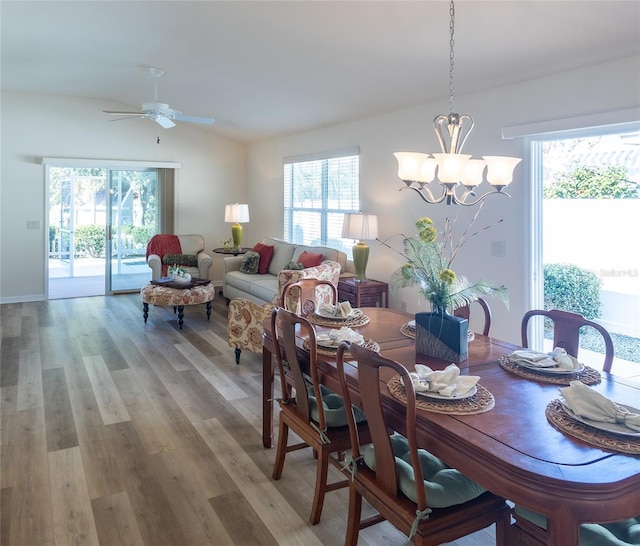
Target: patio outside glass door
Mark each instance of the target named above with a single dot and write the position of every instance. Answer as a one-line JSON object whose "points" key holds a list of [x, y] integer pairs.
{"points": [[132, 219], [100, 221]]}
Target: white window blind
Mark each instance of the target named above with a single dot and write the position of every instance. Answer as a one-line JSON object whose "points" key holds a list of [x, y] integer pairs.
{"points": [[317, 194]]}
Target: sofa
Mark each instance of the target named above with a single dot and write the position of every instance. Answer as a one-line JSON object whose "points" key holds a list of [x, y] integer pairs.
{"points": [[264, 288], [253, 297], [185, 250]]}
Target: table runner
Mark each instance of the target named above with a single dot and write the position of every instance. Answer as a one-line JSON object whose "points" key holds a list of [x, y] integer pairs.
{"points": [[588, 376], [561, 420], [478, 403]]}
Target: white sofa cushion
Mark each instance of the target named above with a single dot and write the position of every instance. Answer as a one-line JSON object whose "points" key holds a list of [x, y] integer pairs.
{"points": [[282, 253]]}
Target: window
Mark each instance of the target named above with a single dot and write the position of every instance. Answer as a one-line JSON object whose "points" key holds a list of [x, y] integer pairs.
{"points": [[318, 191], [587, 184]]}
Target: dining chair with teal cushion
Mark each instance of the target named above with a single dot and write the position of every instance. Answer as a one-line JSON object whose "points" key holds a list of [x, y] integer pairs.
{"points": [[530, 529], [313, 412], [409, 487]]}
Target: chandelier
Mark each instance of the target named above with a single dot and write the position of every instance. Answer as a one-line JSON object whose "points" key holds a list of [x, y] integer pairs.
{"points": [[455, 170]]}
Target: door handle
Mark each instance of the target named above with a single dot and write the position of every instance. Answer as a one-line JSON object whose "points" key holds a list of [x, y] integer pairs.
{"points": [[109, 232]]}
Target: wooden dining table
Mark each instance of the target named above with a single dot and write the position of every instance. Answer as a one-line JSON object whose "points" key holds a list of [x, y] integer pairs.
{"points": [[511, 449]]}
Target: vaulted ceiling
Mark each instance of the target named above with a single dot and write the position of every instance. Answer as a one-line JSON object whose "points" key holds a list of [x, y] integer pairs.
{"points": [[270, 68]]}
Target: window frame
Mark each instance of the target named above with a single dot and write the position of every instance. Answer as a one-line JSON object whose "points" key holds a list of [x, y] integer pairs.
{"points": [[322, 203]]}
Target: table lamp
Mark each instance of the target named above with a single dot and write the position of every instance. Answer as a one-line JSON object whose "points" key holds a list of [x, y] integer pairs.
{"points": [[235, 214], [360, 226]]}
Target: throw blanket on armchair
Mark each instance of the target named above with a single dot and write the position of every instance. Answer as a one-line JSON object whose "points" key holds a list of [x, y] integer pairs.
{"points": [[164, 244]]}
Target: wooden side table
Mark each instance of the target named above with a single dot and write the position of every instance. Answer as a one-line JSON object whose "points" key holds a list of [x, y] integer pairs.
{"points": [[363, 294]]}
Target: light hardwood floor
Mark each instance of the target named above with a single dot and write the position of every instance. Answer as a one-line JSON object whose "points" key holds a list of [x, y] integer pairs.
{"points": [[115, 432]]}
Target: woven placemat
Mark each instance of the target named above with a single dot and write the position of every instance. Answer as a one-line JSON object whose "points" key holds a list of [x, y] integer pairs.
{"points": [[480, 402], [561, 420], [588, 376], [326, 351], [359, 320], [405, 330]]}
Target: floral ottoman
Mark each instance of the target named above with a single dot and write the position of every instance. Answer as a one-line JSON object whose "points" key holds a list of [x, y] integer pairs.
{"points": [[177, 297]]}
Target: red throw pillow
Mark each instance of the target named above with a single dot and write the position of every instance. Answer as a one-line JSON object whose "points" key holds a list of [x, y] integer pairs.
{"points": [[266, 254], [308, 259]]}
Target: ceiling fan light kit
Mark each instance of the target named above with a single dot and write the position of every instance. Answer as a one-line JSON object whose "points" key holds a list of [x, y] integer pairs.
{"points": [[158, 111]]}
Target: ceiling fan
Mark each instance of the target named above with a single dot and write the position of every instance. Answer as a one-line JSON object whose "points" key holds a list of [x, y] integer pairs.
{"points": [[158, 111]]}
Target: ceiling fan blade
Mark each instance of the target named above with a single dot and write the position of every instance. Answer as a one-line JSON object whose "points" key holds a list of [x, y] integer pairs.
{"points": [[117, 113], [128, 117], [192, 119], [163, 122]]}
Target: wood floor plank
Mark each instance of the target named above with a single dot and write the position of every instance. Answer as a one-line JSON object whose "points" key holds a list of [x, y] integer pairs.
{"points": [[241, 520], [115, 523], [11, 322], [8, 435], [265, 499], [181, 393], [200, 522], [61, 428], [168, 347], [30, 394], [5, 515], [142, 479], [100, 462], [55, 343], [73, 521], [154, 433], [31, 517], [9, 361], [220, 381], [111, 406]]}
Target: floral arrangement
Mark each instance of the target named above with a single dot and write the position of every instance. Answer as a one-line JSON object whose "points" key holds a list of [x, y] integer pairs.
{"points": [[226, 243], [176, 271], [429, 257]]}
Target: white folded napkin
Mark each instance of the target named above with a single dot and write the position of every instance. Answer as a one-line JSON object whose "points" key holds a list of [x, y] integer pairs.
{"points": [[335, 337], [590, 404], [447, 382], [340, 310], [558, 358]]}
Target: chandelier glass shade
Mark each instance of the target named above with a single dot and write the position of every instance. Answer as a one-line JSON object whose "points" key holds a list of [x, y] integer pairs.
{"points": [[457, 174]]}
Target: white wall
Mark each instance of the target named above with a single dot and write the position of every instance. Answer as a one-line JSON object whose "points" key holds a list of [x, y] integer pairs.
{"points": [[214, 173], [36, 126], [595, 89]]}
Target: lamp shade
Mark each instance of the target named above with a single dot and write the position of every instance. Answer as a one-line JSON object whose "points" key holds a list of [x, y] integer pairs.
{"points": [[360, 226], [236, 213]]}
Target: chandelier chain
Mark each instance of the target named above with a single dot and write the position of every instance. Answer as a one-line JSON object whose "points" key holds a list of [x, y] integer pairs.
{"points": [[451, 55]]}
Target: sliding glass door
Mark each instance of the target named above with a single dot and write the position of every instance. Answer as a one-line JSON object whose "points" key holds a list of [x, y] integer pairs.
{"points": [[99, 223], [132, 219]]}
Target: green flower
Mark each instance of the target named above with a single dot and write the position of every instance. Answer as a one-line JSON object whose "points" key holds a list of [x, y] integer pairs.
{"points": [[447, 276], [428, 265]]}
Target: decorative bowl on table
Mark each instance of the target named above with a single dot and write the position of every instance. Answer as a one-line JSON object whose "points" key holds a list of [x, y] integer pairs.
{"points": [[182, 279]]}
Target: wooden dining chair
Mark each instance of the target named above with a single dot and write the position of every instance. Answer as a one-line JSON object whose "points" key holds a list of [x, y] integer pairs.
{"points": [[465, 312], [309, 293], [315, 414], [566, 332], [406, 485]]}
